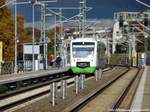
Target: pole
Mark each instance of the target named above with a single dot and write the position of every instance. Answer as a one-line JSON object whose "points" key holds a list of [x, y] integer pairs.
{"points": [[53, 93], [77, 84], [15, 68], [134, 53], [63, 88], [55, 54], [62, 38], [33, 60], [107, 50], [130, 50], [82, 17], [82, 81], [145, 47], [45, 40]]}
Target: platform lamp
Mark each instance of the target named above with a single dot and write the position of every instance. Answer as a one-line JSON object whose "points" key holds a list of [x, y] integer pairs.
{"points": [[16, 36]]}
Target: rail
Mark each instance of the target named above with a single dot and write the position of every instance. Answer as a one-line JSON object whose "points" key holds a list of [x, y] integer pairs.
{"points": [[124, 93], [58, 79], [76, 107]]}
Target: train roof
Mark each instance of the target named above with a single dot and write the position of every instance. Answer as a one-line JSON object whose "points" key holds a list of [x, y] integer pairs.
{"points": [[84, 40]]}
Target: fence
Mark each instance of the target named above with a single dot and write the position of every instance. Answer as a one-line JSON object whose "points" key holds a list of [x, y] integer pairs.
{"points": [[123, 58], [24, 65], [8, 67]]}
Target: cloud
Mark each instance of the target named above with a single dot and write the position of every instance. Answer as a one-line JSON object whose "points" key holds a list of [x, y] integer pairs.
{"points": [[96, 23], [37, 25]]}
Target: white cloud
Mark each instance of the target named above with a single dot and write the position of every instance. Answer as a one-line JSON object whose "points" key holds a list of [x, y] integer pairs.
{"points": [[37, 25], [99, 24]]}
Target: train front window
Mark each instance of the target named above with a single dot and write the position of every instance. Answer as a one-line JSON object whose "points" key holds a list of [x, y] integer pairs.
{"points": [[83, 52]]}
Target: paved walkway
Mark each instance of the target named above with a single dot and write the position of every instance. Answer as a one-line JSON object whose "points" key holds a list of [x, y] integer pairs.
{"points": [[141, 102]]}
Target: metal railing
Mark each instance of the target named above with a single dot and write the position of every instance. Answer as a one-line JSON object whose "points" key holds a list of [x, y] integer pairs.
{"points": [[24, 66], [6, 68]]}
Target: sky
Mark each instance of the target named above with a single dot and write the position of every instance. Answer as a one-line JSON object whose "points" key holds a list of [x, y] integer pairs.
{"points": [[101, 9]]}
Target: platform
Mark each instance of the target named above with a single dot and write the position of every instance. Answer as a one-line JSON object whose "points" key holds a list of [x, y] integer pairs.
{"points": [[141, 101], [28, 75]]}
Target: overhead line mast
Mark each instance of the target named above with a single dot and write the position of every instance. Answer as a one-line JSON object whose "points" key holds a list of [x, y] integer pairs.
{"points": [[82, 17]]}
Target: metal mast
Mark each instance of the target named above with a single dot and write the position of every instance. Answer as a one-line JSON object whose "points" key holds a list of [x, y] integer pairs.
{"points": [[61, 37], [82, 17], [43, 39], [33, 39]]}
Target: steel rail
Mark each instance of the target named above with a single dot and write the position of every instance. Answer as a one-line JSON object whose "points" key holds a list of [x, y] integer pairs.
{"points": [[85, 101], [124, 93], [5, 107], [31, 83]]}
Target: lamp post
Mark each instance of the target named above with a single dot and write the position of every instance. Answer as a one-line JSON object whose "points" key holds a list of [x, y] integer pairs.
{"points": [[15, 2], [16, 35], [15, 68], [33, 34]]}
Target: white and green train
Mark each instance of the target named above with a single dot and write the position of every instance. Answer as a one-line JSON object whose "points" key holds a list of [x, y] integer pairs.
{"points": [[86, 56]]}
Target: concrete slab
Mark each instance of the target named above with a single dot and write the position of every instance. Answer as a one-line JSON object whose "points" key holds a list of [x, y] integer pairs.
{"points": [[138, 99], [147, 90], [148, 80], [146, 102]]}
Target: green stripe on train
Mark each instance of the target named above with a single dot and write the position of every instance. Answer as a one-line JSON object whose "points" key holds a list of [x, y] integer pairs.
{"points": [[83, 70]]}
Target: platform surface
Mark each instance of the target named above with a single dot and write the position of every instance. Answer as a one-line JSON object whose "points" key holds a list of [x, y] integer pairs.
{"points": [[141, 101], [27, 75]]}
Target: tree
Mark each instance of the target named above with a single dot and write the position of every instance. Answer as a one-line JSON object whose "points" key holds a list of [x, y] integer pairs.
{"points": [[7, 32]]}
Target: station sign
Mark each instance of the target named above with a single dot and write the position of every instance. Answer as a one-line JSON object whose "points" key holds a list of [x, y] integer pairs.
{"points": [[27, 49]]}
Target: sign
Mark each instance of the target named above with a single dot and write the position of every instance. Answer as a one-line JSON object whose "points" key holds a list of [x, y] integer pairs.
{"points": [[27, 49], [1, 51]]}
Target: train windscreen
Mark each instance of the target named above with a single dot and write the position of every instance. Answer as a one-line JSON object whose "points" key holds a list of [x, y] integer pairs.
{"points": [[83, 50]]}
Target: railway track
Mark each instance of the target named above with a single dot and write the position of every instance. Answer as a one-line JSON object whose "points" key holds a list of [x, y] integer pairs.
{"points": [[10, 100], [45, 90], [125, 99], [23, 96], [107, 98], [22, 85]]}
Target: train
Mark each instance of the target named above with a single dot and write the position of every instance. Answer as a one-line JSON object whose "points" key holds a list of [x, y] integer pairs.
{"points": [[87, 56]]}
